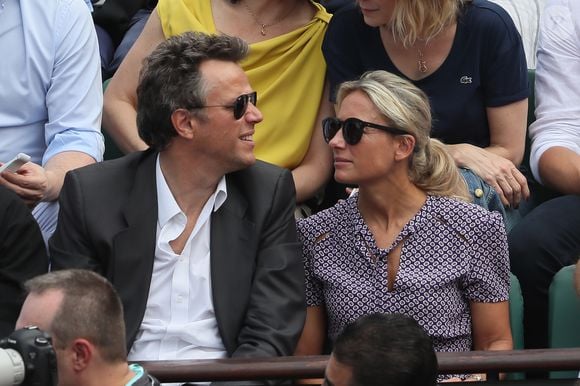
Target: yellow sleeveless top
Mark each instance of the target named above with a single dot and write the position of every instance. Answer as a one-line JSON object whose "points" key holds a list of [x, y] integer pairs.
{"points": [[287, 71]]}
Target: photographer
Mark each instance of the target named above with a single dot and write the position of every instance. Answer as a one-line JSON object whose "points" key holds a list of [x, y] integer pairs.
{"points": [[84, 316]]}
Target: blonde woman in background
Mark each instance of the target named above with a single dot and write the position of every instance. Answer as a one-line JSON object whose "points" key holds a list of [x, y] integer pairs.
{"points": [[407, 242], [285, 66], [467, 56]]}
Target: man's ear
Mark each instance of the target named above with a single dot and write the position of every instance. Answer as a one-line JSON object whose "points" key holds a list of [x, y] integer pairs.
{"points": [[82, 352], [183, 123], [405, 146]]}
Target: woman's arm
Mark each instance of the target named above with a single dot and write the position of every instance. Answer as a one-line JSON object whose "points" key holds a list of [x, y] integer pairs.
{"points": [[312, 339], [491, 330], [315, 169], [120, 99], [491, 326], [497, 163]]}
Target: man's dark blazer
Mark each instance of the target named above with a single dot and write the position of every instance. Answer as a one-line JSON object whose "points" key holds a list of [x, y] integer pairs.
{"points": [[22, 256], [108, 223]]}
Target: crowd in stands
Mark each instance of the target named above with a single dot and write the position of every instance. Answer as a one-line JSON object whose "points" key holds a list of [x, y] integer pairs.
{"points": [[289, 173]]}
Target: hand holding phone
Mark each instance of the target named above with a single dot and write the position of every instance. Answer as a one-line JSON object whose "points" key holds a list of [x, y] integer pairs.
{"points": [[15, 163]]}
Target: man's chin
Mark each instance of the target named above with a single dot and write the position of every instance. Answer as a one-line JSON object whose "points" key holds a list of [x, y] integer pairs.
{"points": [[242, 164]]}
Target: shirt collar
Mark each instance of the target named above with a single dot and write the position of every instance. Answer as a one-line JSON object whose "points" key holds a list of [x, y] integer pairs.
{"points": [[167, 207]]}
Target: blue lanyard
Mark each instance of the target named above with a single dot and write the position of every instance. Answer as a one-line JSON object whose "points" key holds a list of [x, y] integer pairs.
{"points": [[138, 370]]}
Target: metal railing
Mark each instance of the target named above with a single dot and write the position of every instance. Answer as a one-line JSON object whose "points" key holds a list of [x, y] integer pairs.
{"points": [[237, 369]]}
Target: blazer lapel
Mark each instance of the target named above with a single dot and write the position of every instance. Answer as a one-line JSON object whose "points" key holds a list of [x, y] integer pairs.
{"points": [[134, 247], [233, 249]]}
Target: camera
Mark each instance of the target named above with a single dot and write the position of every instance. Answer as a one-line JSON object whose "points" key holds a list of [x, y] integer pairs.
{"points": [[27, 358]]}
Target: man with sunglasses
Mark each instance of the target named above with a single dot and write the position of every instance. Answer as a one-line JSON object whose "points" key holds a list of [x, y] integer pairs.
{"points": [[196, 235]]}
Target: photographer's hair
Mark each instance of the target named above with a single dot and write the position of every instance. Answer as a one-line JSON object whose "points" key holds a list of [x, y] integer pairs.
{"points": [[391, 347], [170, 79], [423, 19], [431, 168], [90, 309]]}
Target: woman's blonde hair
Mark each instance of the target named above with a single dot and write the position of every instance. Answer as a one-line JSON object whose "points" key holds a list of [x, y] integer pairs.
{"points": [[414, 20], [406, 107]]}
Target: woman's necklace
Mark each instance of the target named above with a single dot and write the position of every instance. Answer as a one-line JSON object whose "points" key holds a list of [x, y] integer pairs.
{"points": [[262, 25], [421, 62]]}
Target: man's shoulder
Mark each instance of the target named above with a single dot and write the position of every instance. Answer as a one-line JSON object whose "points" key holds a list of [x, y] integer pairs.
{"points": [[260, 184], [127, 164], [112, 174], [259, 173]]}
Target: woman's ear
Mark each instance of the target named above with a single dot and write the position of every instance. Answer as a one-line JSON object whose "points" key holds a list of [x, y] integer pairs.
{"points": [[405, 146], [184, 123]]}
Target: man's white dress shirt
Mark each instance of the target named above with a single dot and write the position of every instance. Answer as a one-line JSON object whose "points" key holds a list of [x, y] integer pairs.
{"points": [[179, 321]]}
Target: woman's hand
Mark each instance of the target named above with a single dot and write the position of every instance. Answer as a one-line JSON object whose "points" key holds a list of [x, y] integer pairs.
{"points": [[500, 173]]}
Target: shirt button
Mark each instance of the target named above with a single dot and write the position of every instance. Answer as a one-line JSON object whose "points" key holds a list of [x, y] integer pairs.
{"points": [[179, 299], [478, 193]]}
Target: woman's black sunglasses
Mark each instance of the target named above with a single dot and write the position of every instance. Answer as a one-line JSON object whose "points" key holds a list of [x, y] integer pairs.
{"points": [[239, 106], [352, 129]]}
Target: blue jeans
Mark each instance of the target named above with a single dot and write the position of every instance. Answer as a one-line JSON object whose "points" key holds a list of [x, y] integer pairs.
{"points": [[485, 196]]}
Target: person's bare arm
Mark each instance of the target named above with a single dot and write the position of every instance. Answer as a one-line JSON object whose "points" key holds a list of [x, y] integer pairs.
{"points": [[560, 170], [314, 171], [491, 326], [120, 100], [497, 163], [312, 339]]}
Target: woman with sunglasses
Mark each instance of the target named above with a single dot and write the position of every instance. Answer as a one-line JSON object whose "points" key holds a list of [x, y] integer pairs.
{"points": [[468, 57], [285, 66], [407, 241]]}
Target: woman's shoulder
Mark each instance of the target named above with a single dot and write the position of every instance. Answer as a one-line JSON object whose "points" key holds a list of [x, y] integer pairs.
{"points": [[329, 219], [347, 31], [348, 15], [463, 215], [321, 12], [485, 13]]}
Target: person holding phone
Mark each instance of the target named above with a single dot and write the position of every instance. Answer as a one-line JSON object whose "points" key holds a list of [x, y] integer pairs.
{"points": [[50, 99]]}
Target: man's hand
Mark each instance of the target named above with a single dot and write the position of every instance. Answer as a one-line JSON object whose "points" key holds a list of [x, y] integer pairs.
{"points": [[30, 182], [34, 183]]}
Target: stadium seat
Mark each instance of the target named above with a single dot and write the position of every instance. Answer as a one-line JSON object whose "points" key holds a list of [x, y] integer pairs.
{"points": [[516, 320], [564, 316]]}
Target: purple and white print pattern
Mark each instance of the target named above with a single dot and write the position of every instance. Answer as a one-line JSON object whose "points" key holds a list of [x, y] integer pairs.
{"points": [[453, 253]]}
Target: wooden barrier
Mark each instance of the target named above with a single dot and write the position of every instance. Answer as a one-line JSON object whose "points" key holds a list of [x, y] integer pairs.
{"points": [[313, 366]]}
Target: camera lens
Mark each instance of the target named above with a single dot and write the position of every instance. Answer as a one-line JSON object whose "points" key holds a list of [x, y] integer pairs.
{"points": [[12, 369]]}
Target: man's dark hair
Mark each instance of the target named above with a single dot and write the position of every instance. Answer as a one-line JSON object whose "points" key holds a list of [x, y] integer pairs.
{"points": [[170, 79], [90, 309], [387, 349]]}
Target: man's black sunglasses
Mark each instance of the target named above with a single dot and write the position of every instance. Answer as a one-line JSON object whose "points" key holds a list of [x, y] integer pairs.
{"points": [[239, 106], [352, 129]]}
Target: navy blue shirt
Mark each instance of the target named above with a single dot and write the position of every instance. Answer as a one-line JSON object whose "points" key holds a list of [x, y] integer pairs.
{"points": [[486, 67]]}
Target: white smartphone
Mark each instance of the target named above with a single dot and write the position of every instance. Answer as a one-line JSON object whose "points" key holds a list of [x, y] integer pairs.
{"points": [[15, 163]]}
